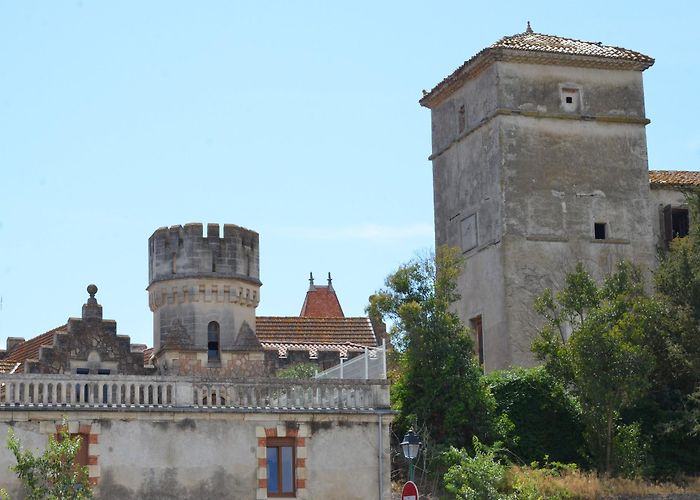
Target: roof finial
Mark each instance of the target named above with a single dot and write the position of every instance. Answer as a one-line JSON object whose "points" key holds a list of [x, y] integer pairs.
{"points": [[311, 280], [529, 28], [330, 281]]}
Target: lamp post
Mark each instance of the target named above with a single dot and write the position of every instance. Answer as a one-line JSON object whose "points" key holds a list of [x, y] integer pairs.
{"points": [[410, 446]]}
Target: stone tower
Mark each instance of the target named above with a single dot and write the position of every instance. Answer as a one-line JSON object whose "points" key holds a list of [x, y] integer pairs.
{"points": [[539, 162], [203, 291]]}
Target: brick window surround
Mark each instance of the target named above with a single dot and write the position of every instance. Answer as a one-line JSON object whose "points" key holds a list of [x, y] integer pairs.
{"points": [[90, 431], [275, 435]]}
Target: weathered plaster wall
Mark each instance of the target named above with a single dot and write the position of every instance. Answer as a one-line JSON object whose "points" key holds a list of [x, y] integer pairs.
{"points": [[520, 176], [193, 455], [561, 177]]}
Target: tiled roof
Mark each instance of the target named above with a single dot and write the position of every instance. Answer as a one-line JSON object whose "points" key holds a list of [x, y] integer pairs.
{"points": [[658, 178], [30, 348], [148, 356], [321, 302], [539, 42], [290, 329], [8, 366], [540, 48]]}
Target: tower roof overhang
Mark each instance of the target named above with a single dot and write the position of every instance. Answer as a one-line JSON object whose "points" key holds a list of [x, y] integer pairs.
{"points": [[538, 48]]}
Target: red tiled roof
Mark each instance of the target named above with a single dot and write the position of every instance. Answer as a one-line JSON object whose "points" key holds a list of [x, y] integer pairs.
{"points": [[303, 330], [147, 356], [8, 366], [544, 49], [30, 348], [658, 178], [321, 302]]}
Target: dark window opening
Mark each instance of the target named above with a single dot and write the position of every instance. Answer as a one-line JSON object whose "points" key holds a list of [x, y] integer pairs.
{"points": [[213, 341], [82, 371], [569, 100], [599, 230], [103, 371], [680, 223], [462, 119], [280, 467], [477, 328]]}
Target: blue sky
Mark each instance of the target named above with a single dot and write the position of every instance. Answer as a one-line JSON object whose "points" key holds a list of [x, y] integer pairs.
{"points": [[296, 119]]}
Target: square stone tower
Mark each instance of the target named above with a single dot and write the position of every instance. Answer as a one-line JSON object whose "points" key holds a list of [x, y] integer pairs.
{"points": [[539, 162]]}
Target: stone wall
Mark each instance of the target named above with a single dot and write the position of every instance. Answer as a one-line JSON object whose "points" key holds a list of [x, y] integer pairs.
{"points": [[215, 454]]}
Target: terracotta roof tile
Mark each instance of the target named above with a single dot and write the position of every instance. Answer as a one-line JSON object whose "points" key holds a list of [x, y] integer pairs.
{"points": [[658, 178], [148, 356], [30, 348], [539, 42], [8, 366], [321, 302], [291, 329], [543, 49]]}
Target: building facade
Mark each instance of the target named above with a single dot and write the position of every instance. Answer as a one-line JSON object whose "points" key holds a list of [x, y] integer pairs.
{"points": [[202, 414], [539, 160]]}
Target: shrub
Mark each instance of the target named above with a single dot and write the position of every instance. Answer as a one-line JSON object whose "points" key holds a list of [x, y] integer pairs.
{"points": [[546, 419]]}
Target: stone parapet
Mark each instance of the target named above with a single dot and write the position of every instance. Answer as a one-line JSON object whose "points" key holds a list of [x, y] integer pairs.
{"points": [[55, 392]]}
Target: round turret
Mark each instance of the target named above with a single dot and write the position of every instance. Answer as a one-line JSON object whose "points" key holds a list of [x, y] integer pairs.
{"points": [[203, 291]]}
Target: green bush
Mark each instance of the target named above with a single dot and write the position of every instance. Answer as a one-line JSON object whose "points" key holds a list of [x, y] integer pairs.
{"points": [[546, 419], [477, 477]]}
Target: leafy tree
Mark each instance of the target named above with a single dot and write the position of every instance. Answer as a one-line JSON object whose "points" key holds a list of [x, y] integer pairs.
{"points": [[298, 370], [605, 360], [546, 418], [439, 385], [54, 474], [670, 415]]}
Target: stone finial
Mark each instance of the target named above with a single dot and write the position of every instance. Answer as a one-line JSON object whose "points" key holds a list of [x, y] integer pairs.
{"points": [[92, 310], [529, 28], [311, 281], [330, 281]]}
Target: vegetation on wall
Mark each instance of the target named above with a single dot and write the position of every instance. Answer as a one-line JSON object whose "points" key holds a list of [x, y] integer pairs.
{"points": [[54, 474]]}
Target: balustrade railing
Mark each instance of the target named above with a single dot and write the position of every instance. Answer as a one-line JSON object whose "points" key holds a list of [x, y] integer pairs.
{"points": [[126, 390]]}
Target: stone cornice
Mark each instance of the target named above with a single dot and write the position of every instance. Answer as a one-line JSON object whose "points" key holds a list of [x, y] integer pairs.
{"points": [[632, 120], [488, 56]]}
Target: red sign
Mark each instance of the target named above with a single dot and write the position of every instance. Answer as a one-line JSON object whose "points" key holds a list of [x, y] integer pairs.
{"points": [[410, 491]]}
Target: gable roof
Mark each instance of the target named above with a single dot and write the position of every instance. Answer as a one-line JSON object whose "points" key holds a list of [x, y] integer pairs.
{"points": [[541, 49], [296, 330], [30, 348], [8, 366], [321, 302], [661, 178]]}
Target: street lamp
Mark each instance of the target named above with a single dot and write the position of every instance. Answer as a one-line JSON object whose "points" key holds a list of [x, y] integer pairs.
{"points": [[410, 446]]}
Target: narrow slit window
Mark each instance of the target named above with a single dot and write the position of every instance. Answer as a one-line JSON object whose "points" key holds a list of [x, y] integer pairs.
{"points": [[477, 328], [213, 341], [600, 230]]}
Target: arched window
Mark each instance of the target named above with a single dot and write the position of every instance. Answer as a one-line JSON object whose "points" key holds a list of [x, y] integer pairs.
{"points": [[213, 341]]}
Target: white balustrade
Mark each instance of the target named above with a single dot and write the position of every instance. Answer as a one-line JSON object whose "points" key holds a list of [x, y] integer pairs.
{"points": [[38, 390]]}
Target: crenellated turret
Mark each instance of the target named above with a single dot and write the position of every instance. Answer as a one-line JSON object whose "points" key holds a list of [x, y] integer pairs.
{"points": [[203, 291], [180, 252]]}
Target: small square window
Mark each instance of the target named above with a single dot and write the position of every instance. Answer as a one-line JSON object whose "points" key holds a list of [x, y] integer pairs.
{"points": [[599, 230], [281, 478], [569, 99]]}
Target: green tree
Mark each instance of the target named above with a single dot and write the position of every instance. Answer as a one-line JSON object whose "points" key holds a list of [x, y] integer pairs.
{"points": [[54, 474], [670, 415], [439, 386], [546, 418], [595, 342], [298, 370]]}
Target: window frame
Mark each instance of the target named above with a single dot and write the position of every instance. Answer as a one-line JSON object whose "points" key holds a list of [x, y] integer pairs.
{"points": [[214, 330], [278, 443]]}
